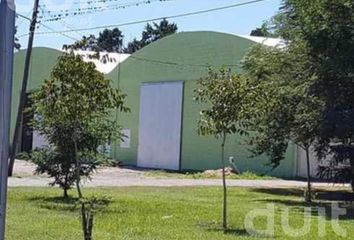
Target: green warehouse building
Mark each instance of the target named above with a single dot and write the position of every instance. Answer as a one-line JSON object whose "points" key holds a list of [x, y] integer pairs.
{"points": [[159, 80]]}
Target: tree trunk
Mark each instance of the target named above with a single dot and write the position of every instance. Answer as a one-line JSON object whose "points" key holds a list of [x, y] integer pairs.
{"points": [[78, 169], [86, 222], [66, 196], [224, 223], [352, 174], [308, 196]]}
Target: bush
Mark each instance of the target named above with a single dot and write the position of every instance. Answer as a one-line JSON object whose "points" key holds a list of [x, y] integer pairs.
{"points": [[62, 167]]}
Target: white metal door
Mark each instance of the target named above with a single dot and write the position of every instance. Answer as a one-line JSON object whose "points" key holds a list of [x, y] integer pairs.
{"points": [[160, 125]]}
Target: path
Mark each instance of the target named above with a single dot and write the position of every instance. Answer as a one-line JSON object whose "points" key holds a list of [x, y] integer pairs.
{"points": [[119, 177]]}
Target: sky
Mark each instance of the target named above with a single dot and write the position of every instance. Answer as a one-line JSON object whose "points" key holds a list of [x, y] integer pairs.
{"points": [[239, 20]]}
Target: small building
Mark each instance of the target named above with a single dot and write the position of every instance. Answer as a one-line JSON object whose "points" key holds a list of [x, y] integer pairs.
{"points": [[159, 80]]}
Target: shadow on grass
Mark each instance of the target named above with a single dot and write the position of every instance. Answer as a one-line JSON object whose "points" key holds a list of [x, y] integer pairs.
{"points": [[238, 232], [231, 231], [70, 204], [56, 203], [324, 199], [215, 226], [340, 195]]}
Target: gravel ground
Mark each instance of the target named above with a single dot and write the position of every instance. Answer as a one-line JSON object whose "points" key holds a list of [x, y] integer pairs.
{"points": [[123, 177]]}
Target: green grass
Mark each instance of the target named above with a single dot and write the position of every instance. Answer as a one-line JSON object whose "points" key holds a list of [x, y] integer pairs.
{"points": [[200, 175], [156, 214]]}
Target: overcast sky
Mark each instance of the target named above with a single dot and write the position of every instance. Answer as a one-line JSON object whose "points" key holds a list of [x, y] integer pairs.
{"points": [[239, 20]]}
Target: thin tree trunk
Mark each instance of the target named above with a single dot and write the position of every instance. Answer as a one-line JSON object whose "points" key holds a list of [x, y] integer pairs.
{"points": [[87, 222], [309, 191], [66, 196], [224, 223], [352, 174], [85, 225], [78, 169]]}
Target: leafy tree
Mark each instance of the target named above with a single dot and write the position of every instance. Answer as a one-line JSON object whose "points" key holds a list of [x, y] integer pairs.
{"points": [[263, 31], [151, 34], [110, 40], [107, 41], [288, 110], [133, 46], [324, 27], [60, 166], [86, 43], [225, 97], [74, 108]]}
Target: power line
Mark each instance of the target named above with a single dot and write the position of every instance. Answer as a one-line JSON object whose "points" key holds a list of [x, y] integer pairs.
{"points": [[63, 23], [162, 62], [45, 26], [23, 19], [156, 19], [53, 30], [91, 8]]}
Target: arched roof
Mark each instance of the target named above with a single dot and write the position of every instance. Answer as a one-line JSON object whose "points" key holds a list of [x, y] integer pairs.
{"points": [[184, 55]]}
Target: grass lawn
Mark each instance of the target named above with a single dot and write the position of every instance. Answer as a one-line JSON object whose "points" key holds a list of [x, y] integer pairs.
{"points": [[156, 213]]}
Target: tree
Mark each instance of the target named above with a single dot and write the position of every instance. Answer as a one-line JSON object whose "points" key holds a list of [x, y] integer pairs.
{"points": [[263, 31], [323, 26], [73, 109], [107, 41], [225, 97], [151, 34], [288, 110], [133, 46], [60, 165], [110, 40], [86, 43]]}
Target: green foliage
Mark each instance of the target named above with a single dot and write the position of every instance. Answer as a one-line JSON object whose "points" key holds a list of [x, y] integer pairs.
{"points": [[62, 168], [263, 31], [151, 34], [287, 109], [23, 156], [324, 28], [226, 98], [312, 80], [339, 168], [73, 110], [78, 100], [111, 40], [107, 41]]}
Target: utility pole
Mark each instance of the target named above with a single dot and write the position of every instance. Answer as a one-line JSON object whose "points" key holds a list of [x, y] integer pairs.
{"points": [[23, 97], [7, 33]]}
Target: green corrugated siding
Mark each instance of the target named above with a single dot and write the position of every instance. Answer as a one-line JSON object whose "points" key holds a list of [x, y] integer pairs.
{"points": [[43, 60]]}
